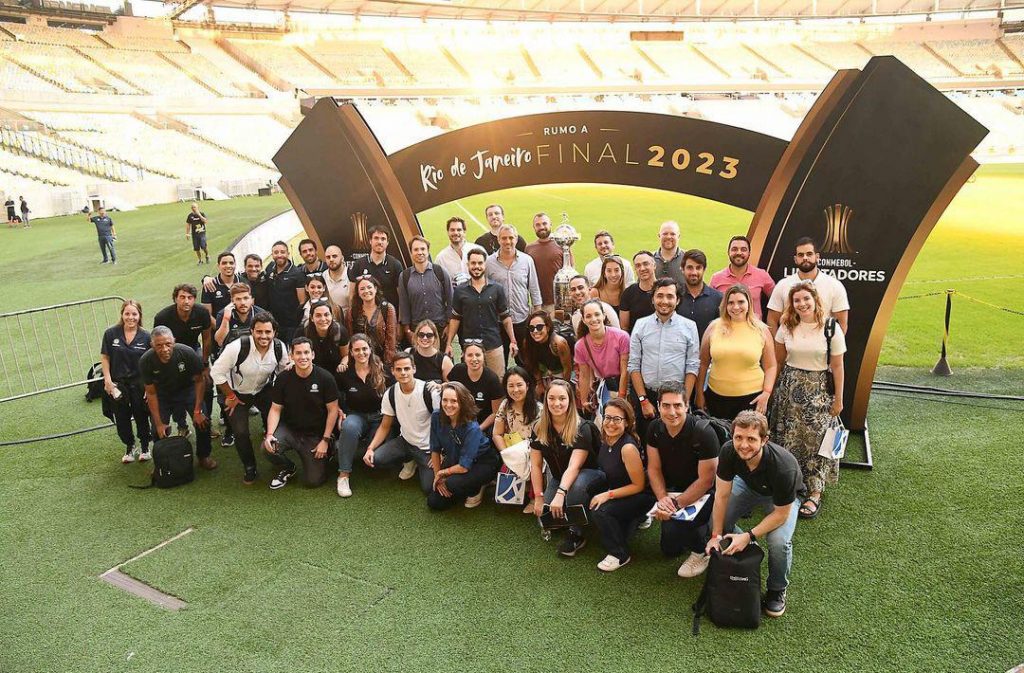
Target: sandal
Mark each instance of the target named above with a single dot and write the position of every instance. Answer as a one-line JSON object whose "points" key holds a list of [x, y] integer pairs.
{"points": [[808, 513]]}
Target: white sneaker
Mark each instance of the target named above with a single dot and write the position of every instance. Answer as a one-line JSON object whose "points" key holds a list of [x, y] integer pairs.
{"points": [[408, 471], [694, 565], [344, 490], [646, 523], [610, 563], [475, 500], [129, 455], [144, 456]]}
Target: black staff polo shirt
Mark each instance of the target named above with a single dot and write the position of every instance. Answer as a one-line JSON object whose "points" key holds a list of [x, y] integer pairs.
{"points": [[281, 297], [681, 455], [124, 355], [777, 475], [186, 332], [386, 273], [173, 376], [304, 400]]}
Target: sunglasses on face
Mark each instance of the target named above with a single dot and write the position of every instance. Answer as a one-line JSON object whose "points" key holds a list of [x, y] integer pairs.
{"points": [[537, 328], [424, 335]]}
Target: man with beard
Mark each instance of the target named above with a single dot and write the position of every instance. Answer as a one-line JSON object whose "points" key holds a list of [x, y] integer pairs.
{"points": [[336, 277], [424, 291], [253, 277], [635, 302], [286, 290], [311, 264], [547, 258], [831, 293], [668, 257], [247, 384], [605, 246], [579, 292], [384, 267], [664, 349], [700, 302], [741, 272], [235, 320], [451, 257], [480, 314], [495, 215]]}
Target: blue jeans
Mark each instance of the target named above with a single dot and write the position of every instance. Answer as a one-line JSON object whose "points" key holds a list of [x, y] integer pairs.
{"points": [[356, 431], [579, 493], [779, 542], [107, 243], [180, 404], [397, 450]]}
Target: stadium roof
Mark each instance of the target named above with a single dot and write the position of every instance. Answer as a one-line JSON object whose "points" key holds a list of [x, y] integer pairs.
{"points": [[615, 10]]}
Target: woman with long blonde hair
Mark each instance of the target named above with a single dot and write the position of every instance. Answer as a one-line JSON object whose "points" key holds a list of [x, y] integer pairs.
{"points": [[568, 444], [738, 349]]}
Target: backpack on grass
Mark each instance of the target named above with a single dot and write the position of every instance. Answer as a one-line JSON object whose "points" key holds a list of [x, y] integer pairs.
{"points": [[94, 389], [731, 597], [172, 462]]}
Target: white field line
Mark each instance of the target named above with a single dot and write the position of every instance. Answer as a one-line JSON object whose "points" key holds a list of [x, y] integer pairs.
{"points": [[472, 216], [151, 550]]}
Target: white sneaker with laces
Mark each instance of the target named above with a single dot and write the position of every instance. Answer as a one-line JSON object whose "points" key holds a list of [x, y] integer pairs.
{"points": [[344, 490], [408, 471], [646, 523], [475, 500], [144, 456], [129, 455], [694, 565], [610, 563]]}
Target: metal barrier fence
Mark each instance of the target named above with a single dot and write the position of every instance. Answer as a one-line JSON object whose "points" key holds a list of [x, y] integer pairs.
{"points": [[52, 348]]}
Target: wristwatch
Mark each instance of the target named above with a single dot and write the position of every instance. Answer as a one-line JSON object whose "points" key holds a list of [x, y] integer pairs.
{"points": [[642, 398], [326, 439], [753, 538]]}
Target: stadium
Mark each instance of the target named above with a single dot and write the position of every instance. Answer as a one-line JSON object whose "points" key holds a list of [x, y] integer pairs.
{"points": [[147, 107]]}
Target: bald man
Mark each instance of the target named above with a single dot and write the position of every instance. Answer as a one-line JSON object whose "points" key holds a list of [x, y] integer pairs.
{"points": [[669, 257]]}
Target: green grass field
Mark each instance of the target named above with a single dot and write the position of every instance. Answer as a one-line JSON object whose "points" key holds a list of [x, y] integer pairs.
{"points": [[911, 567]]}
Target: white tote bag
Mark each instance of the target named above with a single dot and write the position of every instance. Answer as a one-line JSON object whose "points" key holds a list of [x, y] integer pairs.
{"points": [[833, 444]]}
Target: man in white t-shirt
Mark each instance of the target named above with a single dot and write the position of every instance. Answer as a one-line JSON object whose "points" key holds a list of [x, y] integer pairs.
{"points": [[605, 245], [452, 257], [411, 402], [336, 277], [831, 292], [579, 292]]}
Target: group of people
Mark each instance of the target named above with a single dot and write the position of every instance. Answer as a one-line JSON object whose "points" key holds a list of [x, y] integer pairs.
{"points": [[614, 403], [13, 218]]}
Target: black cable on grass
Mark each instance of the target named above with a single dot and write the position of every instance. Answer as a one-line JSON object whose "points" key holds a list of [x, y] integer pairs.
{"points": [[941, 392], [911, 396]]}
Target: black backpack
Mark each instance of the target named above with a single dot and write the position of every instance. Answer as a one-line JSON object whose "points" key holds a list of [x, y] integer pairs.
{"points": [[94, 389], [428, 399], [564, 329], [721, 427], [172, 462], [731, 597], [245, 347]]}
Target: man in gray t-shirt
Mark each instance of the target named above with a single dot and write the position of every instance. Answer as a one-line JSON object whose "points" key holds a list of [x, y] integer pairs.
{"points": [[105, 232]]}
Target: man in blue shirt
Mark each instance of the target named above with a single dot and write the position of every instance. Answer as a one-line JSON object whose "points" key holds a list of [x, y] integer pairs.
{"points": [[663, 349], [105, 232]]}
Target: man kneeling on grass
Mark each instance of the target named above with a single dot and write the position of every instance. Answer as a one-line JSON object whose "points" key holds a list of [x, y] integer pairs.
{"points": [[753, 472], [302, 417]]}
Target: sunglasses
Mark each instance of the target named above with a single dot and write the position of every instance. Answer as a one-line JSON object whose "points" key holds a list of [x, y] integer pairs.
{"points": [[537, 328], [424, 335]]}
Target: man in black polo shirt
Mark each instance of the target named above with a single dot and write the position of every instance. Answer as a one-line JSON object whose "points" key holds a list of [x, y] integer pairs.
{"points": [[235, 320], [312, 265], [480, 311], [286, 290], [302, 418], [753, 472], [175, 381], [682, 456], [699, 302], [495, 216], [384, 267], [253, 277], [195, 228], [188, 322], [217, 292]]}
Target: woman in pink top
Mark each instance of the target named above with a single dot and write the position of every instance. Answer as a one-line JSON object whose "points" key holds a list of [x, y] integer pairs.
{"points": [[602, 352]]}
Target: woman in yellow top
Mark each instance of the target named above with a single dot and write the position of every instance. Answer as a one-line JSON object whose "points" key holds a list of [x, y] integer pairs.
{"points": [[740, 352]]}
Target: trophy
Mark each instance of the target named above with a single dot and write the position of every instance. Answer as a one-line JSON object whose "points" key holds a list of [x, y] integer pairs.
{"points": [[565, 235], [360, 242]]}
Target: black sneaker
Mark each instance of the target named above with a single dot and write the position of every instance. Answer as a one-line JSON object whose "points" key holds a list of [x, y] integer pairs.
{"points": [[774, 603], [281, 479], [250, 476], [571, 544], [228, 439]]}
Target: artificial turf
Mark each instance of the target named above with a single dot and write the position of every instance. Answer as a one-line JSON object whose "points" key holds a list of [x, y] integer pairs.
{"points": [[912, 567]]}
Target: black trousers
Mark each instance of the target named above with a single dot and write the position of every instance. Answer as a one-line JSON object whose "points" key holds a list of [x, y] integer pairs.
{"points": [[520, 330], [617, 519], [687, 536], [132, 406], [465, 485], [727, 408], [641, 422], [239, 423]]}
